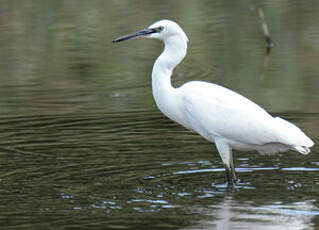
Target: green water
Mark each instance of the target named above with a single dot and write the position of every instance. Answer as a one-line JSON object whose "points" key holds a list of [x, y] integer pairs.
{"points": [[83, 146]]}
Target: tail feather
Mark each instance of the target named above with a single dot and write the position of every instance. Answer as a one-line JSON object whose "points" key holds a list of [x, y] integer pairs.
{"points": [[290, 134], [301, 149]]}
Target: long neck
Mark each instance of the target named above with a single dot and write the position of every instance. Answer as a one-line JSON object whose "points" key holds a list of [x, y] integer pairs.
{"points": [[164, 93], [174, 52]]}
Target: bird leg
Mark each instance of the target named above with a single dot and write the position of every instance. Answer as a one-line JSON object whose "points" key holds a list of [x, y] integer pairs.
{"points": [[225, 153], [230, 174], [233, 171]]}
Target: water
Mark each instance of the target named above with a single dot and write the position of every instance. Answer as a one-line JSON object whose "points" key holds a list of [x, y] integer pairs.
{"points": [[83, 146]]}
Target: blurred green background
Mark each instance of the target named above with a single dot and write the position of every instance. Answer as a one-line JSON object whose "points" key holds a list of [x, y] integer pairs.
{"points": [[57, 56]]}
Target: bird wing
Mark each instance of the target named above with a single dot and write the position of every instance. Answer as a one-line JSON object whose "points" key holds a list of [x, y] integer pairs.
{"points": [[213, 110]]}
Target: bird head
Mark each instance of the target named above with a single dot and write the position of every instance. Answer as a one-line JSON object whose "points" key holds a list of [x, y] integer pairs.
{"points": [[161, 30]]}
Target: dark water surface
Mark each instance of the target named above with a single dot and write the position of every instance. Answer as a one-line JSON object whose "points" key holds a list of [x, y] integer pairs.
{"points": [[83, 146]]}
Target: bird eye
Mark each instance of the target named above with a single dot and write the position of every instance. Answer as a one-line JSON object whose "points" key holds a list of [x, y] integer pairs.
{"points": [[159, 29]]}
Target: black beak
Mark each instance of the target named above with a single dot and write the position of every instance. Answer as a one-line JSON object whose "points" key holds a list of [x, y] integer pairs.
{"points": [[134, 35]]}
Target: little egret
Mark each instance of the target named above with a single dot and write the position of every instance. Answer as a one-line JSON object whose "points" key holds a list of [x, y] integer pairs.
{"points": [[218, 114]]}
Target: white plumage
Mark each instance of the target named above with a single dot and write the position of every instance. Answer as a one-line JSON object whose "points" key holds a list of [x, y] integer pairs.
{"points": [[218, 114]]}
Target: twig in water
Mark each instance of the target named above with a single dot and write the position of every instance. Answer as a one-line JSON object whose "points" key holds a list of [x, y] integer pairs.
{"points": [[265, 30]]}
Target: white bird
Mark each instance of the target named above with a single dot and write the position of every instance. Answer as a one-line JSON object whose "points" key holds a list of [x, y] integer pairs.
{"points": [[218, 114]]}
